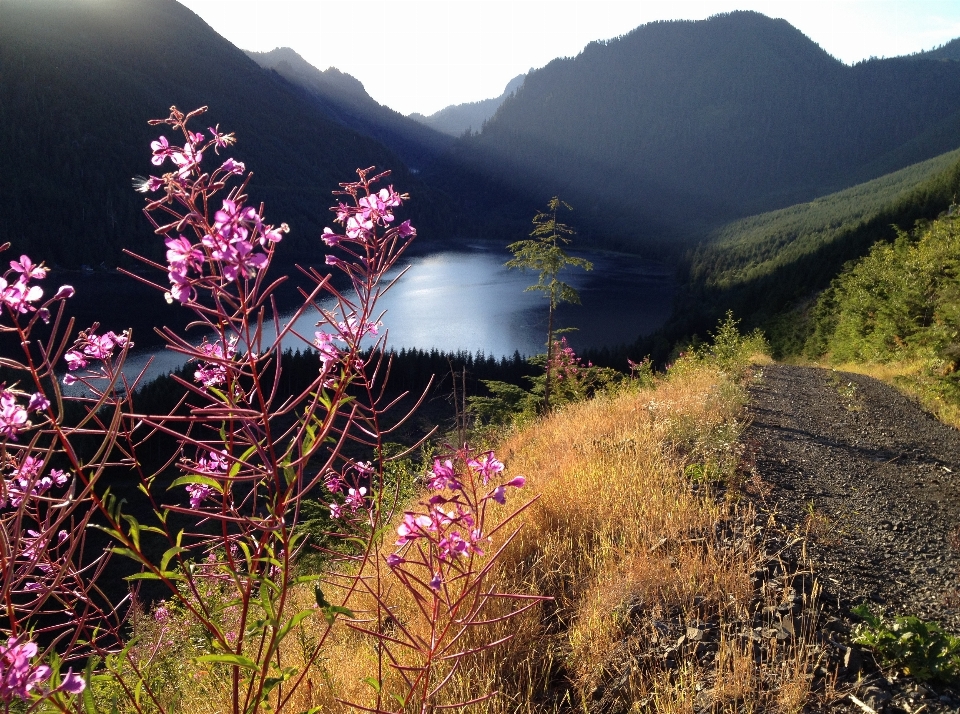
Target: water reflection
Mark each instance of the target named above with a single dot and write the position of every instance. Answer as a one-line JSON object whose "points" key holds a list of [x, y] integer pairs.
{"points": [[468, 300]]}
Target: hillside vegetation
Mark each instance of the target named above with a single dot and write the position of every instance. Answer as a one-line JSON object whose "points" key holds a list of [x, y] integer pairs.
{"points": [[638, 534], [896, 313], [767, 268]]}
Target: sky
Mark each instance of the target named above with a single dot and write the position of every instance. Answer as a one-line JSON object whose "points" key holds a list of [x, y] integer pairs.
{"points": [[423, 55]]}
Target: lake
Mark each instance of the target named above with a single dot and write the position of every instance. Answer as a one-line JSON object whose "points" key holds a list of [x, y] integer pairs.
{"points": [[467, 300]]}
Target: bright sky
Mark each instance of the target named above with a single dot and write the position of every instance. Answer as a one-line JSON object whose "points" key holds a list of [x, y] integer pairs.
{"points": [[422, 55]]}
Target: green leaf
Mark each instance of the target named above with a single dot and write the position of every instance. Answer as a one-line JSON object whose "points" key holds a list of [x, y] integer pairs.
{"points": [[89, 704], [168, 554], [293, 622], [129, 554], [231, 659], [197, 478], [330, 613], [373, 682], [238, 464]]}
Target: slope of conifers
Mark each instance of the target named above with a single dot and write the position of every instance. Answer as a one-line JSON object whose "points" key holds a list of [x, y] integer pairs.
{"points": [[343, 98], [78, 82], [767, 267], [899, 307], [678, 127]]}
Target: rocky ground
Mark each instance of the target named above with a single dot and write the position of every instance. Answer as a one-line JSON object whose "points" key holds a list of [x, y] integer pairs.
{"points": [[873, 482]]}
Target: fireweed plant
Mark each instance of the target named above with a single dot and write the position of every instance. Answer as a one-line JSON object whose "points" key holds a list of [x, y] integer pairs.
{"points": [[225, 500]]}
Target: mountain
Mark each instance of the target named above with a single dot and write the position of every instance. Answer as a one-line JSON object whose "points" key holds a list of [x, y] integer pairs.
{"points": [[78, 82], [343, 99], [768, 268], [947, 51], [664, 134], [458, 119]]}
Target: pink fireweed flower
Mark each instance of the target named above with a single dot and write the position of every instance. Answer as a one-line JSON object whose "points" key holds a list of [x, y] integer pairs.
{"points": [[358, 228], [394, 560], [273, 235], [216, 464], [13, 417], [69, 379], [180, 287], [195, 137], [38, 403], [161, 150], [330, 238], [220, 141], [444, 476], [101, 346], [487, 466], [436, 582], [183, 255], [233, 167], [187, 159], [65, 291], [334, 483], [17, 675], [499, 494], [336, 511], [352, 330], [329, 353], [405, 230], [414, 526], [234, 221], [198, 492], [143, 184], [213, 374], [18, 296], [451, 546], [75, 360], [355, 498], [28, 268], [72, 683]]}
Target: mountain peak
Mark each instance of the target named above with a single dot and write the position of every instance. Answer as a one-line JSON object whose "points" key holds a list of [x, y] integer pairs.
{"points": [[293, 64]]}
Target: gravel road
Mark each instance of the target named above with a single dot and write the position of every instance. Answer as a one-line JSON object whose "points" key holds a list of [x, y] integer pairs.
{"points": [[874, 483]]}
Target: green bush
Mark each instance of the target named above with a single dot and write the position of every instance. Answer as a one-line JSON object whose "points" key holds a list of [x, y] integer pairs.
{"points": [[921, 649]]}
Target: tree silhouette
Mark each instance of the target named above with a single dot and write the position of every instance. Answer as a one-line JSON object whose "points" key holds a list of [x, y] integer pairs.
{"points": [[543, 252]]}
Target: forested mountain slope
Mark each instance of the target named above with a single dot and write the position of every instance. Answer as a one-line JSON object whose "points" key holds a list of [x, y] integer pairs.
{"points": [[78, 82], [679, 127], [343, 98], [767, 267], [459, 118]]}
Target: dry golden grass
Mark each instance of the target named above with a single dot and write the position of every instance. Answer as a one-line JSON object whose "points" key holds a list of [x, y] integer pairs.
{"points": [[620, 538]]}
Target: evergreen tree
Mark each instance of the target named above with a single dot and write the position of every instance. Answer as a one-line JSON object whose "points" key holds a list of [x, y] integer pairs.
{"points": [[543, 252]]}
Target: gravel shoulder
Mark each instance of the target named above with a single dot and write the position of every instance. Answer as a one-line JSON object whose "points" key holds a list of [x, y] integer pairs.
{"points": [[873, 482]]}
